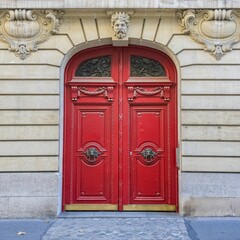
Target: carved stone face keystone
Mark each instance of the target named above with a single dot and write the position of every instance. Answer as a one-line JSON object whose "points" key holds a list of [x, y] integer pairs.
{"points": [[120, 24], [120, 29]]}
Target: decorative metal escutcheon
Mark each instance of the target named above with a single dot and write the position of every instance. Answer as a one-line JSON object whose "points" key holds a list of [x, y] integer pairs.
{"points": [[148, 154], [92, 154]]}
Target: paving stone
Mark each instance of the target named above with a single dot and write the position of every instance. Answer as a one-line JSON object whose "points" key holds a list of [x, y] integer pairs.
{"points": [[150, 227]]}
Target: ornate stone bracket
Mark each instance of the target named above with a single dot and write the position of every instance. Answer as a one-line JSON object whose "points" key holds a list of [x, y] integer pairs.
{"points": [[163, 92], [23, 30], [217, 29], [106, 92]]}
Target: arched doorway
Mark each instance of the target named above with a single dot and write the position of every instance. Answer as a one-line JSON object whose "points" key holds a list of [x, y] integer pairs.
{"points": [[120, 130]]}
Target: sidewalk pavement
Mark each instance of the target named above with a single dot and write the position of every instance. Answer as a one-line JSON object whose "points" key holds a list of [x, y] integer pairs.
{"points": [[124, 226]]}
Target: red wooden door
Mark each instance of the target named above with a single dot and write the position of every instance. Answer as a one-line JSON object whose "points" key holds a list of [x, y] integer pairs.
{"points": [[120, 131]]}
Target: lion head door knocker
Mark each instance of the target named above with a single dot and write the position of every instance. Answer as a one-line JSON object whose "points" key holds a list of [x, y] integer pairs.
{"points": [[120, 23], [92, 154], [148, 154]]}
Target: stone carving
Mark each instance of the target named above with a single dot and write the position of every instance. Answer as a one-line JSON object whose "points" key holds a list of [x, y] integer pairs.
{"points": [[162, 92], [217, 29], [120, 23], [106, 92], [23, 30]]}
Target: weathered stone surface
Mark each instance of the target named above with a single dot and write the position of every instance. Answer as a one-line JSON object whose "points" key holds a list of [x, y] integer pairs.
{"points": [[150, 28], [28, 184], [211, 164], [211, 72], [210, 117], [28, 72], [21, 102], [29, 87], [167, 29], [29, 132], [210, 194], [73, 28], [210, 206], [211, 133], [210, 185], [29, 117], [53, 57], [190, 57], [211, 102], [4, 201], [215, 87], [204, 148], [32, 207], [89, 27], [28, 164], [31, 148], [61, 43]]}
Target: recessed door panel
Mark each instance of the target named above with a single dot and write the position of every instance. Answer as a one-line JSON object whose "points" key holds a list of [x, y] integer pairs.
{"points": [[93, 155], [147, 147]]}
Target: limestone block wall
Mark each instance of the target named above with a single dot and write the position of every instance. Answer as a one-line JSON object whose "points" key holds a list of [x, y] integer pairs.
{"points": [[29, 130], [31, 96]]}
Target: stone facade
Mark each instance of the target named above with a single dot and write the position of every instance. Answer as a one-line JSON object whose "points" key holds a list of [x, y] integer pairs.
{"points": [[31, 110]]}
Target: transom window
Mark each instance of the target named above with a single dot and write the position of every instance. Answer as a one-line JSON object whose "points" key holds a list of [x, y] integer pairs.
{"points": [[95, 67], [146, 67]]}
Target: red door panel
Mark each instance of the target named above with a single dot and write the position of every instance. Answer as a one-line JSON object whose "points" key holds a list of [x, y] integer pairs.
{"points": [[93, 154], [120, 130], [147, 147]]}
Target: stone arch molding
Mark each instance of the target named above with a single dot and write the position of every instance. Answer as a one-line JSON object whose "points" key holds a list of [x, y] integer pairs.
{"points": [[218, 30], [23, 30]]}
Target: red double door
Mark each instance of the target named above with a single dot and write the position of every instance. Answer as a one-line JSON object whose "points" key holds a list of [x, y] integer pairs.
{"points": [[120, 132]]}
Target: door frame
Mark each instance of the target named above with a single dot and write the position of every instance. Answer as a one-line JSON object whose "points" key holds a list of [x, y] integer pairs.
{"points": [[68, 57]]}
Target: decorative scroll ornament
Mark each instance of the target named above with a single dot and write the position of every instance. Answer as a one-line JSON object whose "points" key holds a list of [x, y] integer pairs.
{"points": [[162, 92], [23, 30], [217, 29], [106, 92]]}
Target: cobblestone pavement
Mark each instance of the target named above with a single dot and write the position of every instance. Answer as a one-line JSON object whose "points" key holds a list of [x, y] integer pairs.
{"points": [[119, 226]]}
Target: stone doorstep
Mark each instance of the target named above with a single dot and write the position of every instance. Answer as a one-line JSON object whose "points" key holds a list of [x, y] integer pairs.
{"points": [[99, 214]]}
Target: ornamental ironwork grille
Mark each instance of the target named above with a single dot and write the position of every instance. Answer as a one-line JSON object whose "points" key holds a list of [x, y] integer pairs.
{"points": [[95, 67], [146, 67]]}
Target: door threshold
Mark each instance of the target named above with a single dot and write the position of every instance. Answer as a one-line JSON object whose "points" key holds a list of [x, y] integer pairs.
{"points": [[107, 214]]}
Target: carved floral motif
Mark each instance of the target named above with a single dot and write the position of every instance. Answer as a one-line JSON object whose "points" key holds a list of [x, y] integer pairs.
{"points": [[217, 29], [23, 30]]}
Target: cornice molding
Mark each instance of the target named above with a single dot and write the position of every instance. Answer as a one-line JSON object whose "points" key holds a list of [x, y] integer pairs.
{"points": [[218, 30], [105, 4], [23, 30]]}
